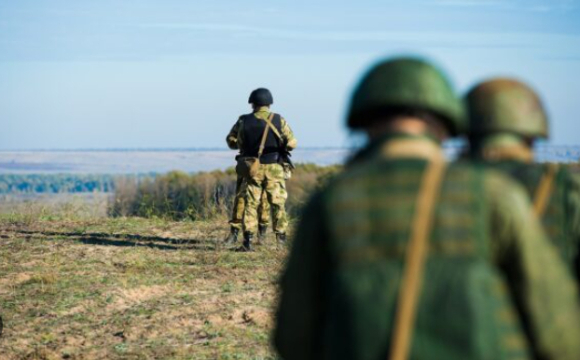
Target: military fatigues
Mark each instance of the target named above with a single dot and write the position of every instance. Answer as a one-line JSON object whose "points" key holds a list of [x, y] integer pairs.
{"points": [[270, 177], [239, 204], [388, 262], [561, 217], [505, 117], [493, 288]]}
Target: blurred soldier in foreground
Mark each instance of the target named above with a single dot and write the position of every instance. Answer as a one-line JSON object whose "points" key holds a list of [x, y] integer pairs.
{"points": [[265, 140], [239, 201], [506, 117], [405, 257]]}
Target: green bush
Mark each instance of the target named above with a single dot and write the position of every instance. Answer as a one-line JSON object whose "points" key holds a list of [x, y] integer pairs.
{"points": [[178, 195]]}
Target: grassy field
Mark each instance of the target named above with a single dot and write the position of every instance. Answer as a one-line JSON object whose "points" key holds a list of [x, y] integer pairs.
{"points": [[80, 286]]}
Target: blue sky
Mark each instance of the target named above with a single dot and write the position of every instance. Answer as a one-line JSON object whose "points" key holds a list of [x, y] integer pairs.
{"points": [[176, 73]]}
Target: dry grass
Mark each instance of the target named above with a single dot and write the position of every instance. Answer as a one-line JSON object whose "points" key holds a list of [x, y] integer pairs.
{"points": [[129, 288]]}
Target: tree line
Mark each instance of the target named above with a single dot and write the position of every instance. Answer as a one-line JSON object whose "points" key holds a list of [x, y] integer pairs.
{"points": [[55, 183]]}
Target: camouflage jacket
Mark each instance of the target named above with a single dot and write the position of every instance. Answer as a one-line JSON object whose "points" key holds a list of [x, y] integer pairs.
{"points": [[561, 216], [493, 287], [233, 139]]}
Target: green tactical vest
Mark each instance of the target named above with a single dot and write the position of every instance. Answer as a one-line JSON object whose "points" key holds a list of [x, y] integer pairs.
{"points": [[556, 215], [464, 311]]}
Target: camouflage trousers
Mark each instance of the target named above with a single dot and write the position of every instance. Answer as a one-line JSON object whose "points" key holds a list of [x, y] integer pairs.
{"points": [[269, 180], [240, 205]]}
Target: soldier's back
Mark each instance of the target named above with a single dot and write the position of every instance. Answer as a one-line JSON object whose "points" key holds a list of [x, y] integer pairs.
{"points": [[560, 213], [465, 310]]}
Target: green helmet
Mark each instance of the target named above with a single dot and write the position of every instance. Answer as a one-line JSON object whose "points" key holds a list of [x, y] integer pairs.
{"points": [[506, 105], [405, 83]]}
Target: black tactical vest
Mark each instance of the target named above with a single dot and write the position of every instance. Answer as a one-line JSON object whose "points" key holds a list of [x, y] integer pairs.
{"points": [[253, 130]]}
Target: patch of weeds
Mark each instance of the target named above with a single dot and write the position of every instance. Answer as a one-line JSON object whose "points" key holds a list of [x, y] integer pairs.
{"points": [[47, 338], [121, 348], [106, 280], [186, 299], [244, 356], [42, 279], [260, 336], [232, 356], [227, 287], [80, 318]]}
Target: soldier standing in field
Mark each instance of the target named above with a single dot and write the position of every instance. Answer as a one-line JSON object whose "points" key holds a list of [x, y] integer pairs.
{"points": [[265, 136], [239, 202], [403, 256], [505, 118]]}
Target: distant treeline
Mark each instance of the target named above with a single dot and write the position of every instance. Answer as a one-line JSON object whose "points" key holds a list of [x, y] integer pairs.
{"points": [[59, 183], [178, 195]]}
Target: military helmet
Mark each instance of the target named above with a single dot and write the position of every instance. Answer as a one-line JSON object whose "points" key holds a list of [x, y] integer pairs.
{"points": [[405, 83], [260, 97], [506, 105]]}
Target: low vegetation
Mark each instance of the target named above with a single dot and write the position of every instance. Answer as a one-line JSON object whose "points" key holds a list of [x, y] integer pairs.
{"points": [[202, 196], [153, 281]]}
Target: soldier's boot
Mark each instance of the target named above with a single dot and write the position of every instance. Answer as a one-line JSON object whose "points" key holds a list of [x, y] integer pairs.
{"points": [[247, 244], [281, 237], [262, 230], [233, 236]]}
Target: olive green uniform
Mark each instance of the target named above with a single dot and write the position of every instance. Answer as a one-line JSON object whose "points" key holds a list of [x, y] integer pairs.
{"points": [[506, 116], [494, 287], [239, 199], [269, 180], [561, 217]]}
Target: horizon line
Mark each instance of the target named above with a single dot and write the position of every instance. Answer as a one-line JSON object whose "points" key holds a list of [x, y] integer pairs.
{"points": [[450, 144]]}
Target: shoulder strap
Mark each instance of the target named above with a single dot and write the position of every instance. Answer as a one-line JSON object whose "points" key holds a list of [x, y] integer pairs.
{"points": [[509, 153], [265, 135], [269, 124], [415, 257], [544, 190]]}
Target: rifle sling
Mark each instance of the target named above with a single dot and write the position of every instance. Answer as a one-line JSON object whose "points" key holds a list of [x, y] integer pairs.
{"points": [[415, 258]]}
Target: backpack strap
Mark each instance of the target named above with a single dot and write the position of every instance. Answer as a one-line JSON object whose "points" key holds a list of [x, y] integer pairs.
{"points": [[265, 134], [415, 258], [544, 190]]}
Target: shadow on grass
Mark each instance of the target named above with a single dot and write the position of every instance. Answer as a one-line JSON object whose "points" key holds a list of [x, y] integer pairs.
{"points": [[91, 240], [125, 240]]}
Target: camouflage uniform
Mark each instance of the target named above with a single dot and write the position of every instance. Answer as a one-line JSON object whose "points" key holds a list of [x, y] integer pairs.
{"points": [[493, 287], [239, 199], [503, 114], [270, 179]]}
